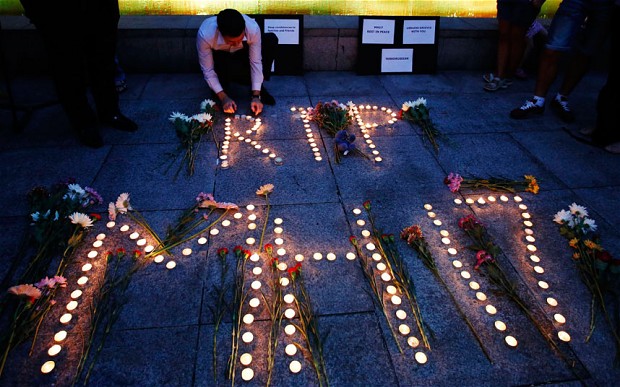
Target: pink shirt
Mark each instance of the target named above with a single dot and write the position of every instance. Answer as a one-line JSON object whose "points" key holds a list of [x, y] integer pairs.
{"points": [[209, 39]]}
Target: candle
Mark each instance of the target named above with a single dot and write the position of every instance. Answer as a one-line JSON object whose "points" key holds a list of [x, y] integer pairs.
{"points": [[225, 223], [47, 367], [295, 366], [526, 215], [245, 359], [465, 274], [278, 241], [528, 231], [247, 374], [535, 258], [481, 201], [365, 233], [522, 207], [491, 199], [289, 313], [248, 318], [386, 277], [158, 259], [518, 199], [370, 246], [331, 256], [511, 341], [481, 296], [413, 342], [474, 285], [401, 314], [293, 108], [65, 318], [92, 254], [187, 251], [54, 350], [376, 256], [469, 201], [254, 257], [531, 248], [82, 280], [60, 336], [290, 349], [452, 251], [437, 222], [420, 357], [290, 329], [124, 228], [444, 233], [317, 256], [110, 224], [278, 221], [530, 238], [72, 305], [238, 215], [149, 248], [552, 301], [252, 226], [282, 266], [527, 223], [378, 159], [141, 242], [503, 198], [500, 325], [490, 309], [299, 258], [350, 256], [278, 230], [458, 264], [543, 285], [97, 243], [254, 302], [360, 222], [284, 281], [214, 231], [559, 318], [250, 207], [76, 294], [257, 271], [134, 235], [250, 241], [391, 289], [404, 329], [396, 300], [445, 241], [289, 298], [247, 337], [431, 214], [458, 201], [563, 336], [171, 265], [539, 269], [87, 267], [381, 266], [256, 285], [202, 240]]}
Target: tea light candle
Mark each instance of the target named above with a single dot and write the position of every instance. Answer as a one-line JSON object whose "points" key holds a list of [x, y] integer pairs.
{"points": [[391, 289], [539, 269], [428, 207], [522, 207], [491, 199], [317, 256], [92, 254], [290, 329], [76, 294], [278, 230], [381, 266], [248, 318], [481, 201], [278, 221], [350, 256], [469, 201], [87, 267], [474, 285], [299, 258], [563, 336], [530, 239], [518, 199], [187, 251], [465, 274], [110, 224], [158, 259], [252, 226], [431, 214], [245, 359], [386, 277], [141, 242], [370, 246], [331, 256], [293, 108], [65, 318], [214, 231], [481, 296], [97, 243], [396, 300], [284, 281], [543, 285], [458, 264], [295, 366], [526, 215], [226, 223], [54, 350], [72, 305], [531, 248], [500, 325], [444, 233], [376, 256], [149, 248], [289, 298], [290, 349], [360, 222], [503, 198], [421, 358], [511, 341], [250, 241], [124, 228], [171, 265], [247, 374], [445, 241], [534, 258], [254, 302], [458, 201], [404, 329], [559, 318], [528, 231], [413, 342], [48, 367], [82, 280], [401, 314], [254, 257], [257, 271], [452, 251], [378, 159], [282, 266], [202, 240], [278, 241], [256, 285], [60, 336], [552, 301], [238, 215], [365, 233], [437, 222], [289, 313], [527, 223], [134, 235], [490, 309], [247, 337], [252, 217]]}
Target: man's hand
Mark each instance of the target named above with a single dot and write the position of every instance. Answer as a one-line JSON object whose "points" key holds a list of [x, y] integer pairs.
{"points": [[256, 106], [229, 105]]}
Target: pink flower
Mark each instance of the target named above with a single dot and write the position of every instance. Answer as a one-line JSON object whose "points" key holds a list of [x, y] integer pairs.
{"points": [[45, 283], [453, 181], [482, 257], [60, 280]]}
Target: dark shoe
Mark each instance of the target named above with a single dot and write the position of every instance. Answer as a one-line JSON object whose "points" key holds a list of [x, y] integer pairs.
{"points": [[561, 109], [90, 137], [266, 98], [528, 109], [120, 122]]}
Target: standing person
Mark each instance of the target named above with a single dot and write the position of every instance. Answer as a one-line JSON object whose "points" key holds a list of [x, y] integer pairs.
{"points": [[514, 18], [231, 48], [80, 38], [593, 16]]}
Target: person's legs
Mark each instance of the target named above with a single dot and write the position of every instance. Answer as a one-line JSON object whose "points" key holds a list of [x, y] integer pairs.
{"points": [[269, 47], [518, 42]]}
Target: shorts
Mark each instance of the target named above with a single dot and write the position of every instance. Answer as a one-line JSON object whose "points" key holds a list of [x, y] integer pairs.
{"points": [[580, 24], [517, 12]]}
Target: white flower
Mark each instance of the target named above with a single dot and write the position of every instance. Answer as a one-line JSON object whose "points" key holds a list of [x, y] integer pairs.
{"points": [[420, 101], [175, 115], [35, 216], [203, 104], [590, 224], [350, 104], [112, 211], [81, 219], [406, 105], [122, 203], [74, 191], [56, 215], [578, 210], [202, 117], [342, 106], [562, 216]]}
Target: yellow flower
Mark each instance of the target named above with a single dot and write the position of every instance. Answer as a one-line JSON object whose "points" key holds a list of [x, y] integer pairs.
{"points": [[591, 245], [573, 243], [265, 190], [576, 256], [533, 184]]}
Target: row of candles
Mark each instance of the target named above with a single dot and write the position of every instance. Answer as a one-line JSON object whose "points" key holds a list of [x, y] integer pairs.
{"points": [[224, 158], [392, 291], [316, 151], [365, 127]]}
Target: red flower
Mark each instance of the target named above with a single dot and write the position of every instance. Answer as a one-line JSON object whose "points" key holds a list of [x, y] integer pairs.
{"points": [[107, 255], [95, 216], [366, 205], [136, 254], [275, 262], [246, 254], [222, 252], [469, 222], [482, 257], [120, 252], [400, 114], [269, 249], [353, 240], [295, 271]]}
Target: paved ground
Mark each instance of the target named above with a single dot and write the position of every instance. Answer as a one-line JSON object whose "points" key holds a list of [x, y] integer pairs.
{"points": [[164, 335]]}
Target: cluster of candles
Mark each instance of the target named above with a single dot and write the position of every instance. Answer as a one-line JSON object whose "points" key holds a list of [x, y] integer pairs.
{"points": [[316, 151], [365, 127], [391, 291], [501, 326]]}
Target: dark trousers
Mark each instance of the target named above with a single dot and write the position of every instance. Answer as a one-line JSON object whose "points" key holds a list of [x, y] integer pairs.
{"points": [[235, 66], [608, 104], [82, 56]]}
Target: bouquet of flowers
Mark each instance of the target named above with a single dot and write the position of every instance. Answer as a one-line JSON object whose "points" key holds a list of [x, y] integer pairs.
{"points": [[190, 129], [599, 271], [455, 182], [33, 304], [418, 113]]}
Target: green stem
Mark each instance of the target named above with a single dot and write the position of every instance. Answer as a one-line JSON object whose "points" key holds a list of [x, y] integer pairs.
{"points": [[262, 234]]}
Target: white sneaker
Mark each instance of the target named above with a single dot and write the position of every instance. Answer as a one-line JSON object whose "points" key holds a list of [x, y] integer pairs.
{"points": [[613, 148]]}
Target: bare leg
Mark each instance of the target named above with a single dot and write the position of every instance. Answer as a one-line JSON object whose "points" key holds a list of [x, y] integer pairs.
{"points": [[503, 47], [517, 49], [576, 70], [547, 71]]}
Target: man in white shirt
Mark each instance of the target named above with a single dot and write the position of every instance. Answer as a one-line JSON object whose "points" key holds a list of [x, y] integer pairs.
{"points": [[231, 48]]}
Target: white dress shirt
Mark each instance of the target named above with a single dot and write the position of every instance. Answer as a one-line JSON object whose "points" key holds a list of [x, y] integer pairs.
{"points": [[209, 38]]}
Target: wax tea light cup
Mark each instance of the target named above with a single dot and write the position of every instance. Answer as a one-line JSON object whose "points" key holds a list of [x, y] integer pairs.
{"points": [[245, 359], [247, 337], [48, 367], [404, 329], [421, 358], [76, 294], [290, 349], [247, 374], [295, 366]]}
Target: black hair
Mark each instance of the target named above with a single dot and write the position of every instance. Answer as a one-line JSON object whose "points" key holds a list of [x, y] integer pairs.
{"points": [[230, 22]]}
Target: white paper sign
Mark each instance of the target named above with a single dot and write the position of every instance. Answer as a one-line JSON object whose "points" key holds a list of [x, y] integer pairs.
{"points": [[378, 31], [397, 60], [287, 30], [419, 32]]}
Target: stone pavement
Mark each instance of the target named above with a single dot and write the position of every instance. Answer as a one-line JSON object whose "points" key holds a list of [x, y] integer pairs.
{"points": [[164, 335]]}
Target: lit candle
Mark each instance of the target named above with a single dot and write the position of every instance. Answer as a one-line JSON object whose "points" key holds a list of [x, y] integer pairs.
{"points": [[284, 281], [386, 277], [248, 318], [214, 231], [65, 318], [278, 230], [518, 199], [490, 309], [256, 285], [187, 251], [110, 224], [452, 251], [360, 222], [282, 266], [481, 201], [289, 313], [225, 223], [295, 366], [458, 201], [254, 302], [278, 241], [503, 198], [563, 336], [527, 223], [331, 256], [534, 258], [437, 222], [60, 336], [474, 285], [171, 265], [420, 357], [539, 269], [141, 242], [413, 342], [396, 300], [445, 241], [469, 201], [257, 271], [391, 289], [82, 280], [500, 325], [72, 305], [247, 337], [278, 221], [559, 318], [299, 258], [124, 228], [252, 226], [481, 296], [465, 274], [350, 256], [97, 243], [511, 341], [404, 329], [134, 235], [92, 254], [149, 248], [431, 214], [370, 246], [158, 259], [401, 314], [245, 359], [458, 264], [54, 350], [552, 301], [317, 256], [250, 241], [444, 233], [543, 285], [202, 240], [47, 367], [365, 233], [254, 257], [376, 256], [381, 266], [290, 329], [87, 267]]}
